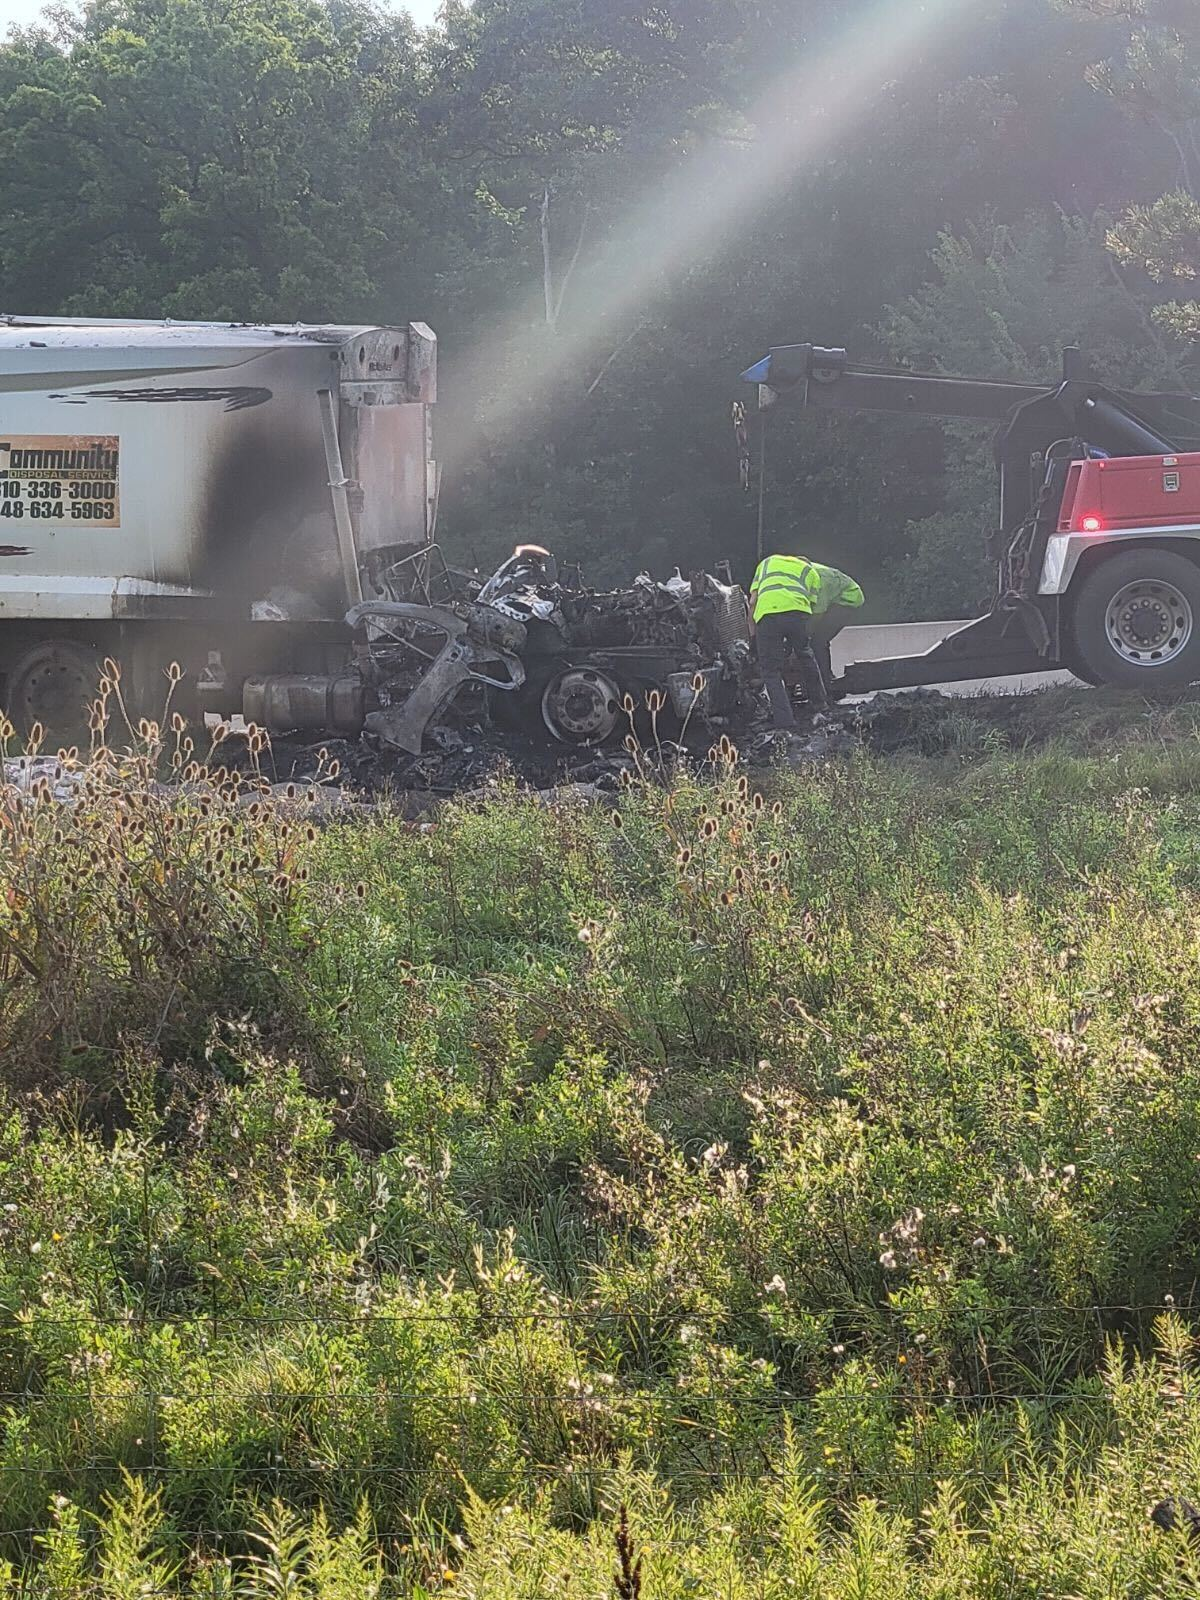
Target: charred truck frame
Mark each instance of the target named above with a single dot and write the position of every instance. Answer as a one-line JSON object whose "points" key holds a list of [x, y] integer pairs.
{"points": [[258, 504], [1098, 546]]}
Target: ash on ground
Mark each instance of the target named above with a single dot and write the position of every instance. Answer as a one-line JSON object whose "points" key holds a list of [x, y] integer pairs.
{"points": [[468, 761]]}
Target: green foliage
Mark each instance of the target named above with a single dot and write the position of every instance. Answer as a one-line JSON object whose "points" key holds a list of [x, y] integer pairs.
{"points": [[523, 176], [1164, 240], [803, 1169], [1155, 79]]}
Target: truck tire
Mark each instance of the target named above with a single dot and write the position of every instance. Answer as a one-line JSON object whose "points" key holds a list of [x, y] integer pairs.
{"points": [[54, 684], [1136, 621]]}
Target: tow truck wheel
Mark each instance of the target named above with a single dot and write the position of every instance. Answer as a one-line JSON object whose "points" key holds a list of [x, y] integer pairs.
{"points": [[54, 684], [1136, 621]]}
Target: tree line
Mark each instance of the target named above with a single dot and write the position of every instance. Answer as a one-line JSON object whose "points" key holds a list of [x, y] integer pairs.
{"points": [[608, 208]]}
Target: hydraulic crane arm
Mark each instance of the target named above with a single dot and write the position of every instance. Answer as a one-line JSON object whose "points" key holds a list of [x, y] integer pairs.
{"points": [[808, 375], [1030, 418], [1134, 423]]}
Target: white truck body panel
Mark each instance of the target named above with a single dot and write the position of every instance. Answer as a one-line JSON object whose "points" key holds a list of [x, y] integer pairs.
{"points": [[167, 469]]}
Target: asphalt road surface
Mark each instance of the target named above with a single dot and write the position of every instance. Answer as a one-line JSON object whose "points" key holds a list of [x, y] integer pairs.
{"points": [[911, 638]]}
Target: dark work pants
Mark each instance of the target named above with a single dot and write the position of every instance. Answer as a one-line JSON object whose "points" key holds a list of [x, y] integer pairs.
{"points": [[784, 634]]}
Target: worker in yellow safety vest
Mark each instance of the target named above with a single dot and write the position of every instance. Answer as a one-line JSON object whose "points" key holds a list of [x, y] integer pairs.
{"points": [[837, 598], [782, 598]]}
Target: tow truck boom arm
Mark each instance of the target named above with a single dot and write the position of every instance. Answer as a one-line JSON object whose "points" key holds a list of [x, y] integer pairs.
{"points": [[809, 375], [1031, 418]]}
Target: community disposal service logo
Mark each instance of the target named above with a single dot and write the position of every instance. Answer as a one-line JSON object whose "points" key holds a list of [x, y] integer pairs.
{"points": [[60, 479]]}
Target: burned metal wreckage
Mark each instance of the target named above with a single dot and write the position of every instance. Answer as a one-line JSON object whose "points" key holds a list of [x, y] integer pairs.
{"points": [[529, 648], [249, 514]]}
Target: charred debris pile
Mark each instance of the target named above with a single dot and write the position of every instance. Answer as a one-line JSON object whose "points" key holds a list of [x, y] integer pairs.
{"points": [[462, 758], [529, 672]]}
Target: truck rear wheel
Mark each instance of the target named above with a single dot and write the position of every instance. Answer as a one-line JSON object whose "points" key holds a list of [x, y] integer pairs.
{"points": [[1136, 621], [54, 684]]}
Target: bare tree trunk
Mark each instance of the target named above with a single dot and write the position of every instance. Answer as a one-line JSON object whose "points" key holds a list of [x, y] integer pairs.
{"points": [[554, 300], [574, 262], [603, 373], [1185, 164]]}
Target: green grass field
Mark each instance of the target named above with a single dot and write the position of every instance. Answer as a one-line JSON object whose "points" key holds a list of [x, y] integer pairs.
{"points": [[808, 1163]]}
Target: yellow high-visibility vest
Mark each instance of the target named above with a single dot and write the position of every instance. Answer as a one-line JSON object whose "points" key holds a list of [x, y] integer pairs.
{"points": [[784, 583]]}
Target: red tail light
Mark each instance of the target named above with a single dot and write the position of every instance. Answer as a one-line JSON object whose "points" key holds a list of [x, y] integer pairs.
{"points": [[1092, 524]]}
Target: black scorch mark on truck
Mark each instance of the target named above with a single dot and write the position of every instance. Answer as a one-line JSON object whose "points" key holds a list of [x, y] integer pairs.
{"points": [[15, 550], [268, 518], [239, 399]]}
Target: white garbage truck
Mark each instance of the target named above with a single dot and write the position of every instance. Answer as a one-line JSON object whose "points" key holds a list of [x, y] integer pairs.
{"points": [[210, 494]]}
